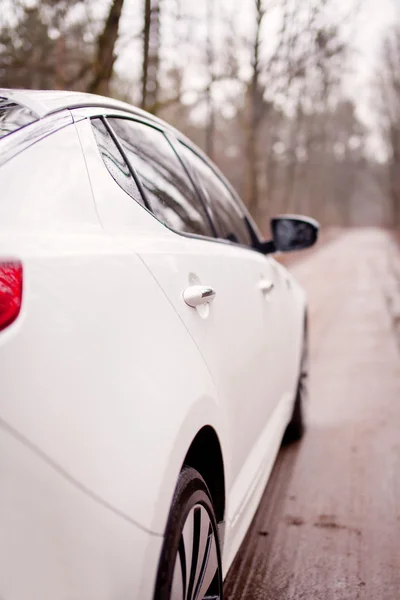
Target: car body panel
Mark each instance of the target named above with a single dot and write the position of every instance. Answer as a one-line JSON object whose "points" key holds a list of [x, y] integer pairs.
{"points": [[75, 280], [59, 542], [178, 261], [86, 377], [108, 376], [58, 197]]}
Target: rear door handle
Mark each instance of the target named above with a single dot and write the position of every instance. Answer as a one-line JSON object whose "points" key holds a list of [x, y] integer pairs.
{"points": [[266, 286], [198, 294]]}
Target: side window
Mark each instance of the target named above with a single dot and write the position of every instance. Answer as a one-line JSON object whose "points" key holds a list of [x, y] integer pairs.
{"points": [[13, 117], [114, 161], [169, 190], [224, 208]]}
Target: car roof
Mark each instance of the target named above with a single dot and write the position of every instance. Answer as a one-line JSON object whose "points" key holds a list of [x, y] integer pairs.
{"points": [[46, 102], [43, 103]]}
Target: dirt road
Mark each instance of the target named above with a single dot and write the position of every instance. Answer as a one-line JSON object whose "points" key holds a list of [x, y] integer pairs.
{"points": [[328, 527]]}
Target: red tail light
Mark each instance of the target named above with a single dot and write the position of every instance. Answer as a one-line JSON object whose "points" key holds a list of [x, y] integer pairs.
{"points": [[10, 291]]}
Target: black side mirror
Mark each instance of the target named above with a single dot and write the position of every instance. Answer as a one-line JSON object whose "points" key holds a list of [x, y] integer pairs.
{"points": [[293, 232]]}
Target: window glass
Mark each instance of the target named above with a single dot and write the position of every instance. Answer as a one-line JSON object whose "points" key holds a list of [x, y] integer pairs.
{"points": [[224, 208], [13, 117], [172, 197], [114, 161]]}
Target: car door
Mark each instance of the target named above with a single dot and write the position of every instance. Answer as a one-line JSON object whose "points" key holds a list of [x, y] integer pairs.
{"points": [[271, 406], [228, 325], [228, 215]]}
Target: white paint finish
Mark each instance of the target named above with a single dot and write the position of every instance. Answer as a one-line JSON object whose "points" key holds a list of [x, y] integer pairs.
{"points": [[249, 487], [288, 343], [109, 374], [107, 379], [56, 542], [46, 187], [236, 339]]}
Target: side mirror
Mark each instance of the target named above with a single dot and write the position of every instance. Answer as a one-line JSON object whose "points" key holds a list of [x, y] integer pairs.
{"points": [[293, 232]]}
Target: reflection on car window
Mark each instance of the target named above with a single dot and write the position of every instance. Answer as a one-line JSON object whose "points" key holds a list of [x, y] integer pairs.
{"points": [[170, 192], [292, 233], [114, 160], [13, 117], [226, 212]]}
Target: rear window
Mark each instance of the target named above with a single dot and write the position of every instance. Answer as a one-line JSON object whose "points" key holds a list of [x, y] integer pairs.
{"points": [[13, 116]]}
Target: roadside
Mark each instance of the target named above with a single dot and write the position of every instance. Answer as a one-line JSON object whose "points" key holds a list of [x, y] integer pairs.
{"points": [[328, 527]]}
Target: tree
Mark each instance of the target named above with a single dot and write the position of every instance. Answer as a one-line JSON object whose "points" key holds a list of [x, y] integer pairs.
{"points": [[151, 44], [103, 65], [41, 48], [265, 102], [256, 104], [388, 89]]}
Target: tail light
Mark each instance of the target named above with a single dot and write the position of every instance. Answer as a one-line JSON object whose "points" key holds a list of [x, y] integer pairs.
{"points": [[10, 291]]}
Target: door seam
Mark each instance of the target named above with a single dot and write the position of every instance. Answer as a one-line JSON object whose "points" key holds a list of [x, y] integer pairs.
{"points": [[180, 318]]}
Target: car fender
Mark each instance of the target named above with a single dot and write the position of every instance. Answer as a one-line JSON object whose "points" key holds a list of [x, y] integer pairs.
{"points": [[206, 411]]}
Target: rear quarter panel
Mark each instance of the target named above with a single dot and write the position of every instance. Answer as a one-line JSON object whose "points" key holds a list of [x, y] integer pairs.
{"points": [[98, 371]]}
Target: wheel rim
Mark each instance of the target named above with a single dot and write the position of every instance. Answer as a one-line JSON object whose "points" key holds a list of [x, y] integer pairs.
{"points": [[197, 567]]}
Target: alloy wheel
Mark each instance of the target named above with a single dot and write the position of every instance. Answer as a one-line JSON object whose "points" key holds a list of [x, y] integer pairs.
{"points": [[196, 573]]}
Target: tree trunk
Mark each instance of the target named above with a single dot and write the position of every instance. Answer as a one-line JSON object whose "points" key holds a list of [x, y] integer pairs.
{"points": [[105, 57], [394, 183], [151, 44], [255, 102], [210, 125]]}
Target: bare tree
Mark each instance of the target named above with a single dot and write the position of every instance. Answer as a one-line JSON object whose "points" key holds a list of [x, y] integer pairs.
{"points": [[151, 44], [210, 124], [103, 65], [40, 47], [389, 105], [255, 112], [282, 129]]}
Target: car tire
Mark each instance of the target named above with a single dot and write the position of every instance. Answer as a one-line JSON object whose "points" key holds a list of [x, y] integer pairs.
{"points": [[190, 563], [295, 429]]}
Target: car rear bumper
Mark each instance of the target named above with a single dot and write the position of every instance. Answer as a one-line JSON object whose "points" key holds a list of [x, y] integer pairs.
{"points": [[57, 542]]}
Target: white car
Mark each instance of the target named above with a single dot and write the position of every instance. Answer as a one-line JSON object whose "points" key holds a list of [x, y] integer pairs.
{"points": [[152, 355]]}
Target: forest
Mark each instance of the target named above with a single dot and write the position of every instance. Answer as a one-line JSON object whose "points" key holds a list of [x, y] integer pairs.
{"points": [[262, 86]]}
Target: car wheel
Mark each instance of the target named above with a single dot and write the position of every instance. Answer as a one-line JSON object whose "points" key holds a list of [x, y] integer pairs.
{"points": [[296, 427], [190, 563]]}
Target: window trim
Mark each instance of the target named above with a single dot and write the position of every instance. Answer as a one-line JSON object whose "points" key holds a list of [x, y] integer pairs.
{"points": [[255, 234], [183, 167], [213, 225], [92, 112], [128, 164], [241, 209]]}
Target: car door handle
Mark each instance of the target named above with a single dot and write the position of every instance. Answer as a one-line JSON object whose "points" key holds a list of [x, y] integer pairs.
{"points": [[266, 286], [198, 294]]}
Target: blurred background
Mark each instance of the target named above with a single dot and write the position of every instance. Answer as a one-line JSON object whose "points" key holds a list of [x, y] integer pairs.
{"points": [[298, 102]]}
